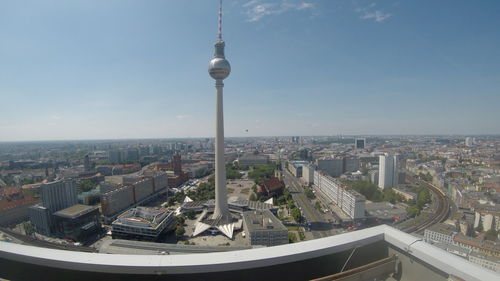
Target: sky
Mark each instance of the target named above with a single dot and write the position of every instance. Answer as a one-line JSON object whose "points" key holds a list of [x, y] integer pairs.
{"points": [[138, 69]]}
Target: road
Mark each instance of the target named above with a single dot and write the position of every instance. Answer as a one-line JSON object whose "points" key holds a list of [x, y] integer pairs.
{"points": [[320, 227]]}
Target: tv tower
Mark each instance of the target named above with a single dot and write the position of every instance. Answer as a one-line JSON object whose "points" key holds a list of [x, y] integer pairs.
{"points": [[219, 69]]}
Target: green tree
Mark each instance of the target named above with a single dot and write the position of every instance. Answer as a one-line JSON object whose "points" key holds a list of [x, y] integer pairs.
{"points": [[232, 172], [309, 194], [296, 214], [181, 220], [191, 215], [87, 185], [179, 231], [253, 197], [281, 200], [261, 172], [412, 211], [292, 238]]}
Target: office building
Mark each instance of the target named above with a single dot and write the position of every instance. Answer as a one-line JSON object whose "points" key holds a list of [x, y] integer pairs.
{"points": [[177, 164], [86, 163], [58, 195], [253, 159], [338, 165], [359, 143], [388, 171], [296, 167], [143, 223], [349, 201], [115, 157], [55, 196], [78, 222], [41, 219], [350, 164], [332, 166], [308, 174], [263, 228]]}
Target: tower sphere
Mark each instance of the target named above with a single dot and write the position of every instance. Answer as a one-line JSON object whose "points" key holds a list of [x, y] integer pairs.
{"points": [[219, 68]]}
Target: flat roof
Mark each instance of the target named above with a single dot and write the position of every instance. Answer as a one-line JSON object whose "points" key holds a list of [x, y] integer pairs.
{"points": [[75, 211], [262, 221]]}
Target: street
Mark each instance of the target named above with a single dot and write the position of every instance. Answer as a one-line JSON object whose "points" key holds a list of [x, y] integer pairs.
{"points": [[319, 225]]}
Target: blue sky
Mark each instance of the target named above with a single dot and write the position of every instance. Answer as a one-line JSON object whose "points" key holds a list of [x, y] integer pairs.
{"points": [[138, 69]]}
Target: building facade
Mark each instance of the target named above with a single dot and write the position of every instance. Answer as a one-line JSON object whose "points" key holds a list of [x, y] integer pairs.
{"points": [[388, 171], [263, 228], [351, 202], [55, 196], [143, 223]]}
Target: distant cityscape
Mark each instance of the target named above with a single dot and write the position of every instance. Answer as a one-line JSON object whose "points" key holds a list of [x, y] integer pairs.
{"points": [[114, 196]]}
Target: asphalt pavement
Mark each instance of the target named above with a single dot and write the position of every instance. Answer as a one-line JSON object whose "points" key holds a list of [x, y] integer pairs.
{"points": [[319, 225]]}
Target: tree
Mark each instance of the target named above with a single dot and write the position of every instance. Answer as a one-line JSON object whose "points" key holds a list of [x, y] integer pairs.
{"points": [[292, 238], [281, 200], [181, 220], [492, 234], [191, 215], [87, 185], [179, 231], [253, 197], [412, 211], [309, 194], [232, 172], [296, 214]]}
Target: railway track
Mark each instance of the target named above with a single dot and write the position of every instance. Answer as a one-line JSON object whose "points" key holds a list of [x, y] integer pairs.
{"points": [[442, 211]]}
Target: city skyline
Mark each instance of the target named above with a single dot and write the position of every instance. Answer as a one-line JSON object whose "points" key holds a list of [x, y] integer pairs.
{"points": [[93, 70]]}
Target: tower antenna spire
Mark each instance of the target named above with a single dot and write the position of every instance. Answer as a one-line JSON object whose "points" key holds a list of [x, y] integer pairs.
{"points": [[220, 21]]}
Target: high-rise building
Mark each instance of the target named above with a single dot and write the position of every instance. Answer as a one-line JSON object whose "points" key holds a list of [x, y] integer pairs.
{"points": [[332, 166], [360, 143], [350, 164], [351, 202], [86, 163], [338, 165], [115, 156], [56, 196], [469, 141], [388, 171], [177, 164]]}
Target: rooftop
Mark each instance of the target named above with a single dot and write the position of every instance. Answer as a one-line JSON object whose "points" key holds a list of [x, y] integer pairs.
{"points": [[142, 217], [262, 221], [75, 211]]}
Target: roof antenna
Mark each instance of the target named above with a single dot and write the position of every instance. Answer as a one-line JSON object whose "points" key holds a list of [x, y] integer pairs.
{"points": [[220, 21]]}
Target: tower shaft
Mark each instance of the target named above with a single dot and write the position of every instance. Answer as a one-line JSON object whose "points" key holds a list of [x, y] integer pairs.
{"points": [[221, 208]]}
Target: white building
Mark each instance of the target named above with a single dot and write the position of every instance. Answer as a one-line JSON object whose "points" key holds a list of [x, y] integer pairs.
{"points": [[469, 141], [439, 233], [308, 174], [351, 202], [388, 171]]}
